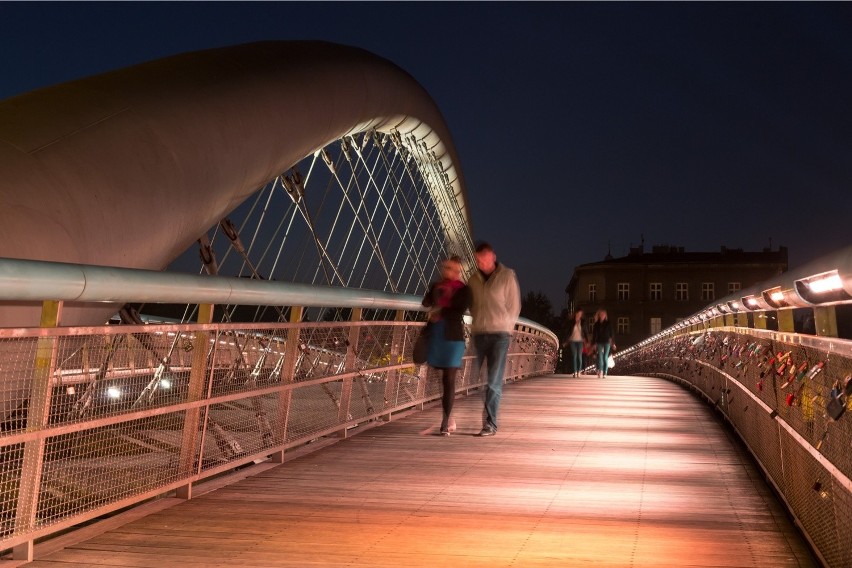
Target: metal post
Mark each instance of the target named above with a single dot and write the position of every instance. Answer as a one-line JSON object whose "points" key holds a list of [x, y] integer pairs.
{"points": [[288, 376], [825, 320], [38, 415], [785, 320], [395, 357], [192, 418], [346, 387]]}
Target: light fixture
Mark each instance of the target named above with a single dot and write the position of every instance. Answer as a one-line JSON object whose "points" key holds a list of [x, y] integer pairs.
{"points": [[821, 283], [114, 392], [823, 288], [776, 298]]}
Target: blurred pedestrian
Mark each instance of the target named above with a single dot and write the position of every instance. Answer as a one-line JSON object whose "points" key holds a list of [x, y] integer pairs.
{"points": [[448, 299], [495, 309], [602, 337], [577, 340]]}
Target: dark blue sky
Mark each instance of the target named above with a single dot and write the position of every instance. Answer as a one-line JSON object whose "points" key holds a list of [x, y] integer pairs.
{"points": [[580, 126]]}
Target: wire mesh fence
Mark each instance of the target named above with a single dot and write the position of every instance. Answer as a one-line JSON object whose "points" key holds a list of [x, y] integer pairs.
{"points": [[99, 418], [783, 393]]}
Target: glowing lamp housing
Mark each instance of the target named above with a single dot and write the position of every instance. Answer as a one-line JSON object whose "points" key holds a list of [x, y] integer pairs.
{"points": [[825, 288], [776, 298], [755, 303]]}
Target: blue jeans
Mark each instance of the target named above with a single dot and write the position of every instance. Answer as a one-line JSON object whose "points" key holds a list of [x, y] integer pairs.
{"points": [[603, 355], [577, 356], [491, 348]]}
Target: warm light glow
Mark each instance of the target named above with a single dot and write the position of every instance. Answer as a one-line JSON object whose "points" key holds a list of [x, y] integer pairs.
{"points": [[735, 305], [166, 383], [777, 296], [114, 392], [825, 283], [752, 302]]}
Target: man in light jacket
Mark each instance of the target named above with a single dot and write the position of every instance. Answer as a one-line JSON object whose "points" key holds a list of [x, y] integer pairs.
{"points": [[495, 309]]}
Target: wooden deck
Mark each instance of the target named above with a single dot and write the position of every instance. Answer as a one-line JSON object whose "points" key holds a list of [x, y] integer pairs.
{"points": [[617, 472]]}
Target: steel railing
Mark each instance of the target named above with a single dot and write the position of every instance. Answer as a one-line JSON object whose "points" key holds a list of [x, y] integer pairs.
{"points": [[99, 418]]}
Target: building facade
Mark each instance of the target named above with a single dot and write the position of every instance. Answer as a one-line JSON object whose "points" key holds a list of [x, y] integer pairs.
{"points": [[644, 293]]}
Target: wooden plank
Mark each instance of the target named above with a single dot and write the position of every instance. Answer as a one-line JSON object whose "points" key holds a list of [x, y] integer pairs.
{"points": [[626, 471]]}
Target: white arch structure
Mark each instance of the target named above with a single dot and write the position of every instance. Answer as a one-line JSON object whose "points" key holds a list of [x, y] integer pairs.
{"points": [[130, 167]]}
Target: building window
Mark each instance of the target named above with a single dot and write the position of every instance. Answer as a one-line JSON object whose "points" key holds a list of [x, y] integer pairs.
{"points": [[623, 290], [734, 287], [681, 291], [656, 291], [593, 292], [623, 325], [708, 291], [656, 325]]}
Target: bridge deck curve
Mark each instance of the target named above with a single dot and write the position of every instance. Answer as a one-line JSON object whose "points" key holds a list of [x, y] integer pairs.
{"points": [[616, 472]]}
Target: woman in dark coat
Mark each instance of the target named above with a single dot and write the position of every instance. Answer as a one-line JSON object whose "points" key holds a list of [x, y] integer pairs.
{"points": [[449, 298]]}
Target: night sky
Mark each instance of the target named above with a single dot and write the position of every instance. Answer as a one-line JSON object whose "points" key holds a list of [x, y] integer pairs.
{"points": [[581, 127]]}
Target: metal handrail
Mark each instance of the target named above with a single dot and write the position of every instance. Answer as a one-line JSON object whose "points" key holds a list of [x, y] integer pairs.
{"points": [[35, 280]]}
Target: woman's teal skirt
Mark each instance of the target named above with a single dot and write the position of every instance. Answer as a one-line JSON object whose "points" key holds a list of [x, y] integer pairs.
{"points": [[443, 354]]}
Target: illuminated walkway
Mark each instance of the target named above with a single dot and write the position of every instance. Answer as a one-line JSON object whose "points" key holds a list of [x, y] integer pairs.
{"points": [[583, 472]]}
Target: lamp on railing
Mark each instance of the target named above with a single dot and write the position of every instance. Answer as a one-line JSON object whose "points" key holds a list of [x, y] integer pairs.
{"points": [[823, 288], [776, 298], [755, 303]]}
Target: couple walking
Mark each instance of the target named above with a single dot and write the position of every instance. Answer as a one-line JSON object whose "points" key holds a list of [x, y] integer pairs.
{"points": [[601, 342], [494, 299]]}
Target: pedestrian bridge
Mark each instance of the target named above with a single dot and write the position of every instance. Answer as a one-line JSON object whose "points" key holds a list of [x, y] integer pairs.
{"points": [[319, 212]]}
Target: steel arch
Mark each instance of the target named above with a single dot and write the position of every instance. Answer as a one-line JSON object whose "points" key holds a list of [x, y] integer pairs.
{"points": [[130, 167]]}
